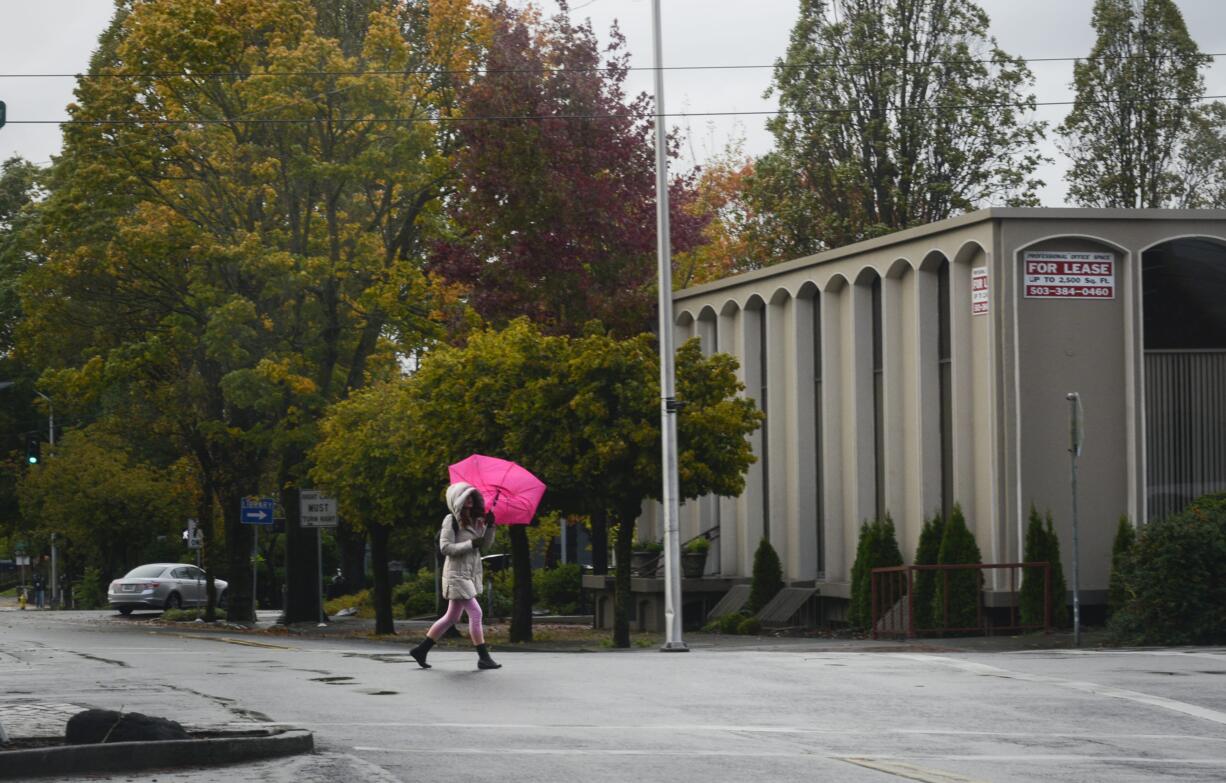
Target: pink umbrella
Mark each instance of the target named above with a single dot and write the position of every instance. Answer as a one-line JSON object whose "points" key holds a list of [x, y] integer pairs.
{"points": [[509, 490]]}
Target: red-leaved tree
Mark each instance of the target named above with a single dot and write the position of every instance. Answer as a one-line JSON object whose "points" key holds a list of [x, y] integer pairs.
{"points": [[554, 211]]}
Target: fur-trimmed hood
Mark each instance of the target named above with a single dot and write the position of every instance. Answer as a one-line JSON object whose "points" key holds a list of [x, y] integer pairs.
{"points": [[457, 493]]}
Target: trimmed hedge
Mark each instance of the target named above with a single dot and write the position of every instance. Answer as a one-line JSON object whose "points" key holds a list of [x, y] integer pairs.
{"points": [[1125, 537], [1043, 545], [926, 553]]}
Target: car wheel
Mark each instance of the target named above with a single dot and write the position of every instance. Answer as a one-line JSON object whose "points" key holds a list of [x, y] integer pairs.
{"points": [[173, 601], [127, 610]]}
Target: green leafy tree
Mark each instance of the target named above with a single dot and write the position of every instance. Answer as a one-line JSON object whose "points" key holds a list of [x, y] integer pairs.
{"points": [[1125, 538], [927, 552], [956, 602], [1202, 160], [1135, 98], [105, 506], [1059, 587], [892, 114], [877, 547], [767, 577], [236, 274], [20, 190]]}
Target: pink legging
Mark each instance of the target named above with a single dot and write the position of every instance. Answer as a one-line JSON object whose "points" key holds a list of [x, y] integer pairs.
{"points": [[454, 607]]}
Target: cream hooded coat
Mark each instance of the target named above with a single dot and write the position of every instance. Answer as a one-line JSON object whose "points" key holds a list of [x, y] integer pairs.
{"points": [[462, 570]]}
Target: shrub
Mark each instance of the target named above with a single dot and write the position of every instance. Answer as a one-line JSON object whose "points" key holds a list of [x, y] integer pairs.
{"points": [[698, 546], [1034, 587], [1175, 579], [749, 626], [767, 577], [1125, 537], [415, 596], [363, 601], [956, 599], [877, 548], [190, 615], [558, 589], [926, 553], [1059, 588], [90, 592]]}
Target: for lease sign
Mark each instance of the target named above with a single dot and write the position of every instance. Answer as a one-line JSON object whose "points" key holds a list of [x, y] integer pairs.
{"points": [[1057, 275]]}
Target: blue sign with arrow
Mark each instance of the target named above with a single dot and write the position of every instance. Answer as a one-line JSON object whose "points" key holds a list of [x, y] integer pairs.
{"points": [[257, 511]]}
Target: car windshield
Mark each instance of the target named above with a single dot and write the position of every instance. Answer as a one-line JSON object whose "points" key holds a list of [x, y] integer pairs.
{"points": [[145, 572]]}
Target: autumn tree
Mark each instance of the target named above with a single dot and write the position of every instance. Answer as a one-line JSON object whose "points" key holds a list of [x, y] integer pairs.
{"points": [[892, 114], [554, 212], [234, 232], [1135, 98]]}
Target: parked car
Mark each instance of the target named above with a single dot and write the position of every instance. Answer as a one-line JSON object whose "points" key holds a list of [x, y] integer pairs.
{"points": [[162, 586]]}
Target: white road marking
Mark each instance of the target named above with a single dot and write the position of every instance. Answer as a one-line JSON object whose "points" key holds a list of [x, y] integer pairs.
{"points": [[1161, 702], [910, 771]]}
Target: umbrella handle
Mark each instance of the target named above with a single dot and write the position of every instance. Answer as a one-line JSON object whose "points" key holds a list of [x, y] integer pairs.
{"points": [[494, 502]]}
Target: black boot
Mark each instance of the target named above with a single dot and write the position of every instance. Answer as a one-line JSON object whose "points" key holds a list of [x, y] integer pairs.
{"points": [[419, 652], [484, 661]]}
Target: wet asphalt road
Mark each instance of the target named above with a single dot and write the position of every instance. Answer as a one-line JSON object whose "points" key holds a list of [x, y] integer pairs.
{"points": [[789, 711]]}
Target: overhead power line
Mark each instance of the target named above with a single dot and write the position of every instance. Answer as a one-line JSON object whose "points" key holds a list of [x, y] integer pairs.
{"points": [[157, 75], [590, 117]]}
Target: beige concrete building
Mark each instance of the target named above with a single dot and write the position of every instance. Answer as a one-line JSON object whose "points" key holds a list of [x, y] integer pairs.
{"points": [[930, 367]]}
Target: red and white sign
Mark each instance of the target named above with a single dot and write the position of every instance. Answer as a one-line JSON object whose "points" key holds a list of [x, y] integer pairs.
{"points": [[1054, 275], [979, 290]]}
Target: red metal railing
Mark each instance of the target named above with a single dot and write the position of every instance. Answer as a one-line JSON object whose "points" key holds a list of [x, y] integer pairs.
{"points": [[891, 585]]}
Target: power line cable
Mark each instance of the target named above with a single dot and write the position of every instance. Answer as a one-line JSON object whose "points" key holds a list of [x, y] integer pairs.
{"points": [[591, 117], [157, 75]]}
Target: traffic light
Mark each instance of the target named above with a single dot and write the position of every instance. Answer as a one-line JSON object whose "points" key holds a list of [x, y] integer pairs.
{"points": [[3, 111], [33, 449]]}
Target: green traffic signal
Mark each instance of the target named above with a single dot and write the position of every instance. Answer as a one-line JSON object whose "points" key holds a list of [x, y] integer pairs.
{"points": [[3, 109], [33, 449]]}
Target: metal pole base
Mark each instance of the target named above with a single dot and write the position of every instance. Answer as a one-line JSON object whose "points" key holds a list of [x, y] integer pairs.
{"points": [[675, 647]]}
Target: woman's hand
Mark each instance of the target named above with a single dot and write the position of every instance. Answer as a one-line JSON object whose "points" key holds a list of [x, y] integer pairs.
{"points": [[489, 517]]}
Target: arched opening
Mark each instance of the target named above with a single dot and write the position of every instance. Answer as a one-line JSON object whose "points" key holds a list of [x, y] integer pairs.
{"points": [[1183, 285]]}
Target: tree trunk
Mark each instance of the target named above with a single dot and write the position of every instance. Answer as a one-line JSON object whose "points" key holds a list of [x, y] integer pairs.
{"points": [[352, 545], [204, 522], [239, 541], [301, 563], [621, 582], [600, 541], [384, 623], [521, 563]]}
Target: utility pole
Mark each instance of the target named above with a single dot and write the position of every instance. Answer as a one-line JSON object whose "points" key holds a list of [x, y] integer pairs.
{"points": [[668, 401], [55, 584], [1076, 437]]}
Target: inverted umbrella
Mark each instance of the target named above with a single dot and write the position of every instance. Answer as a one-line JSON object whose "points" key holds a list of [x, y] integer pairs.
{"points": [[509, 490]]}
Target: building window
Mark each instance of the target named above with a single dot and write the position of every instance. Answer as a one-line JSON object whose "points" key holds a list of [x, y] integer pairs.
{"points": [[819, 511], [878, 409], [945, 376]]}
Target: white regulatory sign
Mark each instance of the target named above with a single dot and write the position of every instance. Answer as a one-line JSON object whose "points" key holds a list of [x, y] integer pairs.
{"points": [[315, 509], [1059, 275], [979, 290]]}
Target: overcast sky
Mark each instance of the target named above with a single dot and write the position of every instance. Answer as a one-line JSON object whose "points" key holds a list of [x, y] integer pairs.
{"points": [[58, 36]]}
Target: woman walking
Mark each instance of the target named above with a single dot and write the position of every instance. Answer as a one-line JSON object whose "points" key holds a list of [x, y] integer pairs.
{"points": [[466, 531]]}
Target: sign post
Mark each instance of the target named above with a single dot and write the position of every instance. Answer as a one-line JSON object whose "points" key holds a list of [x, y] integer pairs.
{"points": [[318, 512], [1076, 437], [256, 511]]}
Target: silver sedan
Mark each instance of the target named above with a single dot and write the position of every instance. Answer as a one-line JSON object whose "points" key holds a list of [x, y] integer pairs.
{"points": [[162, 586]]}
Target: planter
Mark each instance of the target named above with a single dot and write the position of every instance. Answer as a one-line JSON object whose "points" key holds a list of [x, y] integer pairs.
{"points": [[693, 564], [644, 563]]}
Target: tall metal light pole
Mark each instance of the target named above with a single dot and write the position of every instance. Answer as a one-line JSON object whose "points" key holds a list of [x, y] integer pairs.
{"points": [[55, 584], [668, 401], [1076, 438]]}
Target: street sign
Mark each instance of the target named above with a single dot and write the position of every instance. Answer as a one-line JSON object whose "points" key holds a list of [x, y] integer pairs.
{"points": [[315, 509], [257, 511], [23, 560], [191, 536], [979, 290]]}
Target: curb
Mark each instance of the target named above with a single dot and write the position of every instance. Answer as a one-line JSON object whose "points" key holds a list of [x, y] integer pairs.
{"points": [[126, 756]]}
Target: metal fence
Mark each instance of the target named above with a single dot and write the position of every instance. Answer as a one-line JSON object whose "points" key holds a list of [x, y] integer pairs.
{"points": [[893, 599]]}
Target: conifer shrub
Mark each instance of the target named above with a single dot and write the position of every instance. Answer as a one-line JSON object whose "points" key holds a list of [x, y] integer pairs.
{"points": [[1174, 577], [767, 577], [926, 553], [1125, 537], [877, 548], [1060, 615], [957, 595], [1034, 583]]}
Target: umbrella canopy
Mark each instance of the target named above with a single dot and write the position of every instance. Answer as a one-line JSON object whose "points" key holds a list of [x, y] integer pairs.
{"points": [[509, 490]]}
